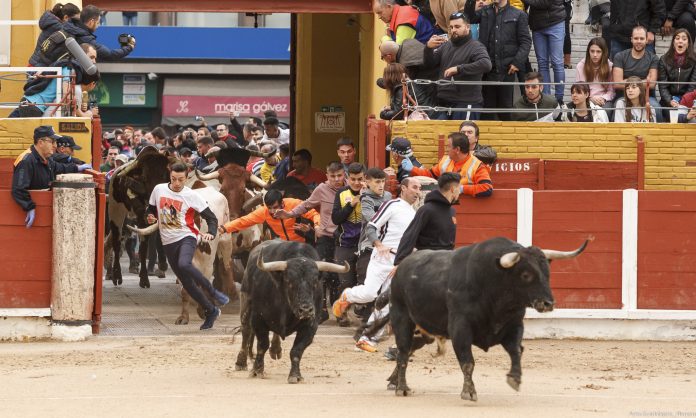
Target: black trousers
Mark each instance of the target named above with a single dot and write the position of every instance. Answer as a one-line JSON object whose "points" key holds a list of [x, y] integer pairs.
{"points": [[498, 97], [180, 255], [686, 21], [346, 279], [326, 247]]}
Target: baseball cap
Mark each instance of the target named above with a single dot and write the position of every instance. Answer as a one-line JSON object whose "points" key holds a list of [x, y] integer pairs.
{"points": [[67, 141], [400, 146], [122, 158], [44, 131], [185, 151]]}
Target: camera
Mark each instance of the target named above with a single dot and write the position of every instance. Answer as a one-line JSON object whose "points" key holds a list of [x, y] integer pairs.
{"points": [[199, 118], [125, 39]]}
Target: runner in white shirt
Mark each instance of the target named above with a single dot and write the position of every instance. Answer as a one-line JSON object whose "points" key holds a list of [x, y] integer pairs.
{"points": [[175, 206], [384, 231]]}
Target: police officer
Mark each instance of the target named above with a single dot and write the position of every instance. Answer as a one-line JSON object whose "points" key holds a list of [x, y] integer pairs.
{"points": [[34, 170], [65, 149]]}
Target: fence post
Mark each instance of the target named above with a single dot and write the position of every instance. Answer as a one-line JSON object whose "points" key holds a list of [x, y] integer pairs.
{"points": [[74, 224], [640, 162]]}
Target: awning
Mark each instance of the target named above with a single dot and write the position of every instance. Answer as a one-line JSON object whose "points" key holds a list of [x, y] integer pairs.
{"points": [[184, 99]]}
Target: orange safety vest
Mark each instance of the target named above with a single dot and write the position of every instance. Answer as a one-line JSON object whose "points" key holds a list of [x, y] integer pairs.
{"points": [[467, 171]]}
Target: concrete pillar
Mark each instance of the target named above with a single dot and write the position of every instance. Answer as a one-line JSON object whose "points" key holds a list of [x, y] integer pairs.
{"points": [[74, 229]]}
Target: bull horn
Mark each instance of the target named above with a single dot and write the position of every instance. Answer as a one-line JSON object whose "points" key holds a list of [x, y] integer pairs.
{"points": [[559, 255], [252, 203], [207, 177], [261, 154], [333, 268], [126, 168], [508, 260], [257, 181], [144, 231], [272, 265]]}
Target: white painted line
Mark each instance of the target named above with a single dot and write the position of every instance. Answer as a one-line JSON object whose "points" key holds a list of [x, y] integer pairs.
{"points": [[17, 312], [648, 314], [629, 250], [525, 216]]}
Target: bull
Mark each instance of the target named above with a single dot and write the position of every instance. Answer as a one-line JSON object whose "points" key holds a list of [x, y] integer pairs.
{"points": [[281, 292], [475, 295]]}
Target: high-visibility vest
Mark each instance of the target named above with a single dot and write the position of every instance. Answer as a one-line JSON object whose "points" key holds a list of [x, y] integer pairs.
{"points": [[467, 171]]}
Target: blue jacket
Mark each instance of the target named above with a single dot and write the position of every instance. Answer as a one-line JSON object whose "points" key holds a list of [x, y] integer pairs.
{"points": [[49, 23], [35, 173], [83, 35]]}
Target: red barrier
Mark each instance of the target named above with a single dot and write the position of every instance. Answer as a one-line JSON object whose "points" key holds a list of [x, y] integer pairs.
{"points": [[562, 221], [25, 272], [480, 219], [376, 142], [666, 248]]}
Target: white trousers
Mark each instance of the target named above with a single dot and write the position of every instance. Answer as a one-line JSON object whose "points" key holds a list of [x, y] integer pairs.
{"points": [[376, 278]]}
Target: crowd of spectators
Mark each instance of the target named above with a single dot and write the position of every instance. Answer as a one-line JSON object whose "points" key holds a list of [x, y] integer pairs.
{"points": [[461, 50]]}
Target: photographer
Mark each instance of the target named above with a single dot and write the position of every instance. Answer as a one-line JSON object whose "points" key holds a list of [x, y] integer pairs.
{"points": [[83, 32]]}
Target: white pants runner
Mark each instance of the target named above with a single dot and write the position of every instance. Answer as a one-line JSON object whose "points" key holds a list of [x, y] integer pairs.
{"points": [[376, 278]]}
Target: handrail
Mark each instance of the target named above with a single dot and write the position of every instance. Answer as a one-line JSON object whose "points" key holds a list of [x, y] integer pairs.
{"points": [[62, 98]]}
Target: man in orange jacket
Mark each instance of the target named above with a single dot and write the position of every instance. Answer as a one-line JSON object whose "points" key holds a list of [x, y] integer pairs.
{"points": [[476, 177], [285, 229]]}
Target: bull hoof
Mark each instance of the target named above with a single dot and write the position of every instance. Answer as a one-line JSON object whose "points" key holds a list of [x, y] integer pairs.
{"points": [[391, 386], [257, 373], [145, 282], [295, 379], [514, 382], [239, 367], [182, 320], [160, 274], [276, 354], [403, 391], [469, 392]]}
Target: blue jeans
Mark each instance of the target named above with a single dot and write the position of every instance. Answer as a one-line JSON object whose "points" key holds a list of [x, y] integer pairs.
{"points": [[618, 46], [459, 115], [130, 18], [548, 46]]}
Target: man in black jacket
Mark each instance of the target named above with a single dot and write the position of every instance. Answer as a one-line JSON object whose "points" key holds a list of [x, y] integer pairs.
{"points": [[65, 148], [433, 227], [504, 30], [34, 170], [83, 32], [461, 59], [627, 14]]}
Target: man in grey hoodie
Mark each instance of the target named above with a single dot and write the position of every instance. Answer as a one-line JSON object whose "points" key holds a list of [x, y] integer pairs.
{"points": [[533, 99]]}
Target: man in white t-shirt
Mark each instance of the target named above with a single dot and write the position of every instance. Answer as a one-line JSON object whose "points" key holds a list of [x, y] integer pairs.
{"points": [[384, 231], [274, 132], [175, 205]]}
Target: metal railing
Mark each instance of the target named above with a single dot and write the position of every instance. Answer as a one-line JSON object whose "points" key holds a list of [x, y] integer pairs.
{"points": [[63, 98]]}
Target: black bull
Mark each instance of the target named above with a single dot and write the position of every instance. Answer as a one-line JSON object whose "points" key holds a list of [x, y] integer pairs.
{"points": [[473, 295], [281, 293]]}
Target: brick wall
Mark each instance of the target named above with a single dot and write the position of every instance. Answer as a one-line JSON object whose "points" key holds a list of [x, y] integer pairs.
{"points": [[670, 151], [16, 135]]}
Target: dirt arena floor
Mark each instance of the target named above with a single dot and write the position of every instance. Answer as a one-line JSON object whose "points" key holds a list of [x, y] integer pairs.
{"points": [[137, 368]]}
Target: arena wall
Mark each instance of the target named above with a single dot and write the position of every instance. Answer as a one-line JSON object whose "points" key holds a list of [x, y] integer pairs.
{"points": [[670, 151]]}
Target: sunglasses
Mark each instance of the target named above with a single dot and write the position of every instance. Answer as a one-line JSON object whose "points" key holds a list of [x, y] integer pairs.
{"points": [[457, 15]]}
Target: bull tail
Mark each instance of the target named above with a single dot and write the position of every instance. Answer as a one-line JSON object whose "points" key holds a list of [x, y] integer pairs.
{"points": [[383, 299]]}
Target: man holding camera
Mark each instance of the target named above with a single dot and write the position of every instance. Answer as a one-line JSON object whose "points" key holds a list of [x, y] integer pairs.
{"points": [[83, 32]]}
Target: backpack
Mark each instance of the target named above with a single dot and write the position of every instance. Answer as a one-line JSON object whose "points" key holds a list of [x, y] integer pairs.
{"points": [[53, 48]]}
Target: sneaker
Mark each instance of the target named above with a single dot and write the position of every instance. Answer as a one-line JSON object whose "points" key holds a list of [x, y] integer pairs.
{"points": [[366, 345], [221, 299], [390, 354], [340, 306], [210, 318]]}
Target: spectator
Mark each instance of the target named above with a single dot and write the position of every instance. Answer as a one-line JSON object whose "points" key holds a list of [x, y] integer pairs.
{"points": [[130, 18], [460, 59], [269, 163], [475, 175], [203, 131], [410, 55], [677, 65], [485, 153], [50, 22], [138, 135], [223, 134], [681, 14], [274, 132], [400, 149], [405, 22], [347, 216], [109, 164], [394, 73], [187, 155], [34, 170], [283, 167], [533, 98], [346, 151], [83, 31], [636, 62], [443, 9], [625, 15], [597, 68], [159, 136], [39, 91], [504, 30], [204, 145], [581, 107], [547, 22], [688, 108], [303, 170], [251, 133], [632, 108], [65, 150]]}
